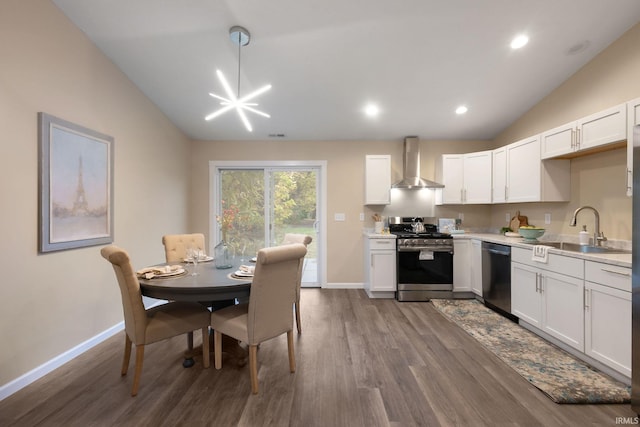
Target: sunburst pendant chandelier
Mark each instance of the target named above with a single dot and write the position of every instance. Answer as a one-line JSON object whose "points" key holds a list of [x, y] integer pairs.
{"points": [[240, 36]]}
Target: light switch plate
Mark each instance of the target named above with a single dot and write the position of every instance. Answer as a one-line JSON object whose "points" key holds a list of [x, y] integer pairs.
{"points": [[547, 218], [508, 217], [339, 217], [361, 216]]}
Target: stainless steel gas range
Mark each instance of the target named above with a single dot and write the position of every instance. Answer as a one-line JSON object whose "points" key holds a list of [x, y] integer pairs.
{"points": [[424, 260]]}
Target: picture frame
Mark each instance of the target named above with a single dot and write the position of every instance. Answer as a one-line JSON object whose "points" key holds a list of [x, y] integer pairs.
{"points": [[75, 185]]}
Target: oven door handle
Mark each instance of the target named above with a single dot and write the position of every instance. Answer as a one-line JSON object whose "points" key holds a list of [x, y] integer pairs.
{"points": [[426, 248]]}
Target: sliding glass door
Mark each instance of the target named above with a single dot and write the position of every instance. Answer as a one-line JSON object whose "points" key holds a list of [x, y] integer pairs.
{"points": [[255, 206]]}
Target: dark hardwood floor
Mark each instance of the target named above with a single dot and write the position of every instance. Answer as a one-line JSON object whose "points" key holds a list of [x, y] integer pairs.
{"points": [[360, 362]]}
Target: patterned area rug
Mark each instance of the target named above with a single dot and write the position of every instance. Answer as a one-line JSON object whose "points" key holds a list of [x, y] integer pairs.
{"points": [[561, 376]]}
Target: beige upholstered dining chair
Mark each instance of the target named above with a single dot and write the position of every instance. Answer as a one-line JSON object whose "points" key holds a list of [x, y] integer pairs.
{"points": [[175, 245], [268, 313], [305, 240], [144, 327]]}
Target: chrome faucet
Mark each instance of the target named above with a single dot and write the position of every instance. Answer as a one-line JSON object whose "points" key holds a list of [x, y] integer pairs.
{"points": [[598, 236]]}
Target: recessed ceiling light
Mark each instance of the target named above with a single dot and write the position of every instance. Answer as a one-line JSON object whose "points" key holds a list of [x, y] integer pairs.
{"points": [[371, 110], [519, 41], [461, 109]]}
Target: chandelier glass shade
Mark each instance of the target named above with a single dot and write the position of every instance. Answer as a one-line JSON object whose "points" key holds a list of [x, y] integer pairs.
{"points": [[233, 100]]}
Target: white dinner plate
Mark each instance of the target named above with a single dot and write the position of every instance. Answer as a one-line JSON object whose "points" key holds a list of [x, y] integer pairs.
{"points": [[201, 259], [242, 274]]}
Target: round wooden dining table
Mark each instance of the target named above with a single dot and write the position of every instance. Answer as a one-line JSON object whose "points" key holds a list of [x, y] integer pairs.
{"points": [[211, 286]]}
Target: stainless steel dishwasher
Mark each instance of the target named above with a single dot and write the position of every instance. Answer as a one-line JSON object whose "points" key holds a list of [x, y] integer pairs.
{"points": [[496, 278]]}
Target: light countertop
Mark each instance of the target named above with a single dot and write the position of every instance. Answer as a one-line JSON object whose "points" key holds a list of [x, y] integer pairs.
{"points": [[622, 260], [371, 235]]}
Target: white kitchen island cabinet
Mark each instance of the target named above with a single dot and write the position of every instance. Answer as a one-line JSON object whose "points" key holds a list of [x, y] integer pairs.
{"points": [[380, 267], [377, 182]]}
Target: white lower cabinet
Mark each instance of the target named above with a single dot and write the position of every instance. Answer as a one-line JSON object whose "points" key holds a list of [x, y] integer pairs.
{"points": [[476, 266], [584, 304], [526, 300], [562, 309], [607, 314], [461, 271], [547, 299], [380, 267]]}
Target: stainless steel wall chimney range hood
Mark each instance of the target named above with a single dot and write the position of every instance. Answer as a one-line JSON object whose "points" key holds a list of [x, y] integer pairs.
{"points": [[411, 167]]}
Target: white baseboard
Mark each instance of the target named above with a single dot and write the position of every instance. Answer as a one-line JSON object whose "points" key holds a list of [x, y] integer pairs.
{"points": [[35, 374], [344, 286]]}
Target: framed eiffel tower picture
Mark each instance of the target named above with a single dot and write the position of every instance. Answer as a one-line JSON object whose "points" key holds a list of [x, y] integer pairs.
{"points": [[75, 185]]}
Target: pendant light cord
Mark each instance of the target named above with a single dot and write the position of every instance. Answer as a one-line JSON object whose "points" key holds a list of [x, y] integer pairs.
{"points": [[239, 56]]}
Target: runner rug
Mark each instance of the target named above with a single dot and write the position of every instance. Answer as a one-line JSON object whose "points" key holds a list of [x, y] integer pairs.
{"points": [[561, 376]]}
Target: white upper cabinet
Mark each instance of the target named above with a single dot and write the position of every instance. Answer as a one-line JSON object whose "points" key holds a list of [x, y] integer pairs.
{"points": [[499, 175], [558, 141], [585, 135], [477, 177], [377, 182], [466, 178], [523, 170], [452, 179], [603, 128], [633, 118], [531, 180]]}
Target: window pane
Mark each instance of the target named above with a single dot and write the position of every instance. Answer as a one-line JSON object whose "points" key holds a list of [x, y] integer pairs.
{"points": [[242, 204]]}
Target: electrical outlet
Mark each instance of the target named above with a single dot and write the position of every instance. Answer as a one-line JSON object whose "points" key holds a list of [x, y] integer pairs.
{"points": [[339, 217], [547, 218], [361, 216], [508, 217]]}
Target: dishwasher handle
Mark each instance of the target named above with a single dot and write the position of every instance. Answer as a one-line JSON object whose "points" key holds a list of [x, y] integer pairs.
{"points": [[497, 249], [498, 252]]}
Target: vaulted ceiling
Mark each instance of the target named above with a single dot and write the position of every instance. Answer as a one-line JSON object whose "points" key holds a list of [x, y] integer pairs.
{"points": [[418, 60]]}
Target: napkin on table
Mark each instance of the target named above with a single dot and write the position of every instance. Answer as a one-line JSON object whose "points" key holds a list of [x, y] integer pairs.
{"points": [[151, 272]]}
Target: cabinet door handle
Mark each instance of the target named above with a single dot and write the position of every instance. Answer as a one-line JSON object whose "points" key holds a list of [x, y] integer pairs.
{"points": [[587, 297], [620, 273], [629, 179], [573, 139], [577, 139], [506, 192], [537, 286]]}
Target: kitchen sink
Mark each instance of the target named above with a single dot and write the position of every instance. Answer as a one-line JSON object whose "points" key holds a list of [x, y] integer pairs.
{"points": [[574, 247]]}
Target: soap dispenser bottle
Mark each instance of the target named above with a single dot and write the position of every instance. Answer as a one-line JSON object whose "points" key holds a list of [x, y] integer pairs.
{"points": [[584, 236]]}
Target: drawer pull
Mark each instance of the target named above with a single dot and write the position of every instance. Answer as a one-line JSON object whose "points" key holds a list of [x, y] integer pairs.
{"points": [[621, 273]]}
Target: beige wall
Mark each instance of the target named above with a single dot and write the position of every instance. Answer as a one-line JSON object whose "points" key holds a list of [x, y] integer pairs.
{"points": [[51, 303], [598, 179], [345, 172]]}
